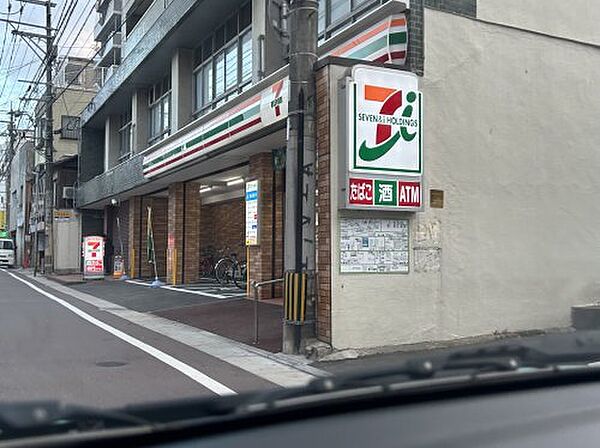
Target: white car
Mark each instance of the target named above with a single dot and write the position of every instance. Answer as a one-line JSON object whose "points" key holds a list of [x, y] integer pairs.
{"points": [[7, 252]]}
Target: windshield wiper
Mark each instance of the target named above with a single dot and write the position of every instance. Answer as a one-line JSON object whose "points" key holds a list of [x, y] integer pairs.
{"points": [[533, 353], [18, 420]]}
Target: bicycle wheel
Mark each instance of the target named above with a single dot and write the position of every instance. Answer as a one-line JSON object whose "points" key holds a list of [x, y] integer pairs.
{"points": [[224, 271], [240, 275]]}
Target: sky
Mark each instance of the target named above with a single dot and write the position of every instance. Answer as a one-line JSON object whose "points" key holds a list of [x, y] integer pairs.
{"points": [[18, 61]]}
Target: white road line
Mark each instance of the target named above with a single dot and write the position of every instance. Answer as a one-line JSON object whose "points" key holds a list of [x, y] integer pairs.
{"points": [[272, 367], [187, 370], [190, 291], [179, 289]]}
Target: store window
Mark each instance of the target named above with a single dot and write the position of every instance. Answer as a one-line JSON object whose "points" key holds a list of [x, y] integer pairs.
{"points": [[159, 97], [335, 15], [224, 62]]}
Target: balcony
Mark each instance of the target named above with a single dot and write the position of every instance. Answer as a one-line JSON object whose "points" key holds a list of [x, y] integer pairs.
{"points": [[109, 21], [104, 74], [110, 53]]}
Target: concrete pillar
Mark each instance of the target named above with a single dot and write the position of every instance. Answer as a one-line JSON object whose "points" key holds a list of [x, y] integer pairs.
{"points": [[265, 259], [140, 118], [111, 141], [182, 66], [183, 246]]}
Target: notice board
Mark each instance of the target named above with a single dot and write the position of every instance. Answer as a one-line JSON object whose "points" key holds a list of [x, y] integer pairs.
{"points": [[373, 245]]}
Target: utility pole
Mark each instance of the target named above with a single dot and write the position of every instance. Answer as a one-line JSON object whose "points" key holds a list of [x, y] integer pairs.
{"points": [[49, 219], [299, 249], [10, 151], [47, 56]]}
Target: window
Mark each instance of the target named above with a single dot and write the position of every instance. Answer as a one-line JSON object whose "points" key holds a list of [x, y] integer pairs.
{"points": [[160, 110], [72, 75], [224, 62], [125, 136], [6, 245], [69, 127], [335, 15]]}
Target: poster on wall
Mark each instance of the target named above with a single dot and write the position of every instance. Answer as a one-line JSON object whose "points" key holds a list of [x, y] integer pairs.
{"points": [[93, 257], [252, 213], [373, 245]]}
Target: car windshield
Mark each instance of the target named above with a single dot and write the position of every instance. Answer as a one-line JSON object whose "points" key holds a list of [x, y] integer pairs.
{"points": [[251, 201]]}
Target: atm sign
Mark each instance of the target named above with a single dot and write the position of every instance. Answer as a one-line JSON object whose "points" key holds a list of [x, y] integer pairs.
{"points": [[384, 193]]}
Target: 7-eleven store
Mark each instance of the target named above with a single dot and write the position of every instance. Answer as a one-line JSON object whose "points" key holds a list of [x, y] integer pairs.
{"points": [[194, 180]]}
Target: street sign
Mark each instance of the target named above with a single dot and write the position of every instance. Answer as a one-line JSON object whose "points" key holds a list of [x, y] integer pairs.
{"points": [[252, 223], [93, 257]]}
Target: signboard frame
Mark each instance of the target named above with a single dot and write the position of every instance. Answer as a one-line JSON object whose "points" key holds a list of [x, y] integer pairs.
{"points": [[252, 206], [346, 155], [93, 251]]}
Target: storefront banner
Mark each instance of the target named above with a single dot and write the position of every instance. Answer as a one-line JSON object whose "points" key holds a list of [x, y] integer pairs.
{"points": [[252, 213], [386, 41], [257, 112], [93, 257]]}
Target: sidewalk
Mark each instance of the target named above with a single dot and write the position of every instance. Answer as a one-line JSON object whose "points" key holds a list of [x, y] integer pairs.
{"points": [[228, 316]]}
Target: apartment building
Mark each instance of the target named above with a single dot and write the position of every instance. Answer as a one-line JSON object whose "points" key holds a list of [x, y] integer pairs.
{"points": [[416, 225], [76, 81]]}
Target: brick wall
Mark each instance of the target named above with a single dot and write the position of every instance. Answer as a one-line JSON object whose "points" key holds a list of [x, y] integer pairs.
{"points": [[323, 229], [183, 230], [415, 59], [123, 230], [137, 237], [265, 263], [134, 240], [159, 223], [222, 227]]}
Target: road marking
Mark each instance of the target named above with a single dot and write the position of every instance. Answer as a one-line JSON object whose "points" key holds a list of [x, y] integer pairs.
{"points": [[189, 291], [274, 367], [187, 370]]}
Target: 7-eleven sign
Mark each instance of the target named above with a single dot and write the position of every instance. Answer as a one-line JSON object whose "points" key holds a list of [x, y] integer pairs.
{"points": [[384, 122]]}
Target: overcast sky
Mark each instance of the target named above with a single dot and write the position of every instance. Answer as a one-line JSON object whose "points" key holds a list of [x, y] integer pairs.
{"points": [[18, 61]]}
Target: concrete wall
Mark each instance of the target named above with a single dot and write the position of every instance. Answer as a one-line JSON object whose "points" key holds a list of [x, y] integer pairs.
{"points": [[511, 137], [575, 19], [71, 103]]}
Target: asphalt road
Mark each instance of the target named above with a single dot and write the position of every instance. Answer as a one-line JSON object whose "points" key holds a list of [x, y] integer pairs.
{"points": [[49, 349]]}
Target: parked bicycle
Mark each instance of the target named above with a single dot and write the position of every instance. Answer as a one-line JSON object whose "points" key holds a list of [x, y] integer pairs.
{"points": [[231, 270], [207, 262]]}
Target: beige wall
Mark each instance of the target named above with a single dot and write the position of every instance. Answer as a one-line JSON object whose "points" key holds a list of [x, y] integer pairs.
{"points": [[575, 19], [511, 136], [71, 102]]}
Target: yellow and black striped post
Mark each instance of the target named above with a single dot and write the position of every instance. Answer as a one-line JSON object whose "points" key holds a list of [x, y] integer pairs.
{"points": [[295, 286]]}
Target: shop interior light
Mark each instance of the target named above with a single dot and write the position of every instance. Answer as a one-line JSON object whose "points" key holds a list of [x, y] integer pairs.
{"points": [[205, 189], [236, 181]]}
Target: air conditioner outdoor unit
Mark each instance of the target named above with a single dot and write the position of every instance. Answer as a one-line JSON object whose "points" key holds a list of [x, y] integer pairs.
{"points": [[68, 193]]}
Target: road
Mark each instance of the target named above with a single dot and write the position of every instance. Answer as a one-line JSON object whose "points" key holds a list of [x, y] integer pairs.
{"points": [[55, 347]]}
